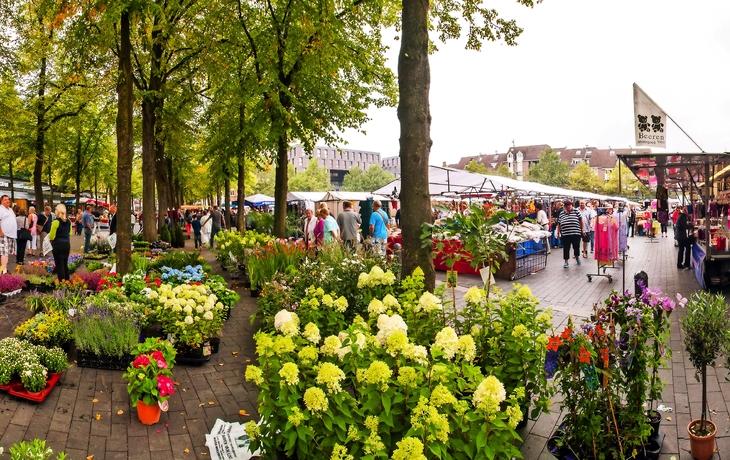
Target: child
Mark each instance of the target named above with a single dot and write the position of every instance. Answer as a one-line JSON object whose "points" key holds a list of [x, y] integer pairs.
{"points": [[196, 232]]}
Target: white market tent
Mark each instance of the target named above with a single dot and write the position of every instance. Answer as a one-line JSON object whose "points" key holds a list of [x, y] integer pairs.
{"points": [[334, 199], [448, 181], [307, 200]]}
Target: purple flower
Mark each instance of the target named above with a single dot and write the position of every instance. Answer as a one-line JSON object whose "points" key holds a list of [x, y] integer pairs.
{"points": [[668, 304], [551, 363]]}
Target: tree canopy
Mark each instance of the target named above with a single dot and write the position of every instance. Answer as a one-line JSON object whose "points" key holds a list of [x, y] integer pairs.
{"points": [[357, 180], [549, 170], [584, 178]]}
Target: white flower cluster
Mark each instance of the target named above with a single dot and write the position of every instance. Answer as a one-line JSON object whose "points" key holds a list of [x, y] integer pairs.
{"points": [[428, 303], [389, 324], [447, 341], [376, 277], [287, 323]]}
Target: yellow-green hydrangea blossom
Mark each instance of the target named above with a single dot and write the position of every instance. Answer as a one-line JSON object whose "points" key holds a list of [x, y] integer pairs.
{"points": [[408, 377], [316, 400], [378, 374], [391, 303], [340, 453], [331, 345], [331, 376], [466, 347], [340, 304], [296, 416], [308, 356], [327, 300], [441, 396], [283, 345], [252, 429], [425, 415], [396, 343], [311, 333], [515, 415], [409, 448], [290, 373], [254, 374], [474, 295], [519, 330], [376, 307], [447, 341], [489, 395], [429, 303]]}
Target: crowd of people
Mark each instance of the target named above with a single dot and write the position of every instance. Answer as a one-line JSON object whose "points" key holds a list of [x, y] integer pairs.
{"points": [[320, 228]]}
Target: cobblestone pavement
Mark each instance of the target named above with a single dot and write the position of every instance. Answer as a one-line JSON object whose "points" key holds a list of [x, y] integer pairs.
{"points": [[67, 418]]}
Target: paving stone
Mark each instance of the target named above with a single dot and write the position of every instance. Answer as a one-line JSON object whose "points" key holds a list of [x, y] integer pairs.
{"points": [[179, 443], [13, 434], [159, 440], [138, 447], [97, 446], [118, 439], [38, 428]]}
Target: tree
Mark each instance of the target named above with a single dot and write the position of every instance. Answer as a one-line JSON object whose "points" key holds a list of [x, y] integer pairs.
{"points": [[549, 170], [630, 185], [358, 181], [414, 79], [504, 171], [265, 180], [583, 178], [317, 69], [315, 178], [476, 167]]}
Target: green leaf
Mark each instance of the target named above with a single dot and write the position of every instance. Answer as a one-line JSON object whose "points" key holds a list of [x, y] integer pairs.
{"points": [[386, 403]]}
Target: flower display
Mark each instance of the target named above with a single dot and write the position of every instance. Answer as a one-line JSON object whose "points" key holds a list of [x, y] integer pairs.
{"points": [[191, 312], [387, 325], [189, 274]]}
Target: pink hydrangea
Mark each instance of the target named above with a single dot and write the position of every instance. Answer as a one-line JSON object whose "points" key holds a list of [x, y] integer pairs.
{"points": [[165, 385], [157, 356], [141, 361]]}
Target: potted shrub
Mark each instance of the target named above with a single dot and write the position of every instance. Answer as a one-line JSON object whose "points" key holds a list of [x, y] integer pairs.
{"points": [[34, 376], [49, 329], [150, 379], [11, 284], [706, 328], [35, 449]]}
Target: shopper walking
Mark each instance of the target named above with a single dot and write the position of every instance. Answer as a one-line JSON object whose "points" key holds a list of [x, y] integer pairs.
{"points": [[685, 238], [8, 232], [60, 237], [23, 236], [570, 229], [87, 222], [542, 220], [349, 223], [33, 226]]}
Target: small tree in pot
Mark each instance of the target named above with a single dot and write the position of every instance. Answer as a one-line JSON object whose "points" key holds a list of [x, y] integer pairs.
{"points": [[706, 329]]}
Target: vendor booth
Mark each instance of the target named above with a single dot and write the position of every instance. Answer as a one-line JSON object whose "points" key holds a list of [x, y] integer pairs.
{"points": [[701, 180]]}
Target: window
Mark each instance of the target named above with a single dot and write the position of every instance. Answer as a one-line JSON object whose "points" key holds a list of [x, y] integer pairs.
{"points": [[633, 152], [331, 162], [360, 156], [301, 161], [612, 152], [576, 161], [577, 152], [588, 152], [319, 152], [588, 161]]}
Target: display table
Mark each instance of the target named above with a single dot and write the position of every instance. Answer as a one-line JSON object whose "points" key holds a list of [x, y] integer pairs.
{"points": [[524, 258]]}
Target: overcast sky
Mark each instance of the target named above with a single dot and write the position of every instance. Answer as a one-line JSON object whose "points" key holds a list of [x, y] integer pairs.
{"points": [[568, 83]]}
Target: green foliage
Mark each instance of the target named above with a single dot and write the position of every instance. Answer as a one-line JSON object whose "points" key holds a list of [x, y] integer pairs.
{"points": [[630, 185], [165, 234], [35, 449], [107, 327], [262, 222], [476, 167], [549, 170], [504, 171], [583, 178], [314, 178], [372, 179]]}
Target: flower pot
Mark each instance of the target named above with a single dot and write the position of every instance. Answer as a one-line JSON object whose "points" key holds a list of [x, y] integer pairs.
{"points": [[655, 419], [215, 344], [148, 415], [235, 275], [701, 447], [255, 293]]}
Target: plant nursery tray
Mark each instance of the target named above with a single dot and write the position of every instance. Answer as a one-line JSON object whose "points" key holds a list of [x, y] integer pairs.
{"points": [[9, 385], [94, 361], [18, 390]]}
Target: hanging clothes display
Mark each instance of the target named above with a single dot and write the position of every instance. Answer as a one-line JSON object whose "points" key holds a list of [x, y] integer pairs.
{"points": [[606, 239], [623, 230]]}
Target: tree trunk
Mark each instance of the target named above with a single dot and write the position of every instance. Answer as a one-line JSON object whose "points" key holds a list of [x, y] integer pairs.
{"points": [[149, 227], [414, 80], [241, 221], [163, 184], [227, 198], [40, 138], [281, 185], [125, 150]]}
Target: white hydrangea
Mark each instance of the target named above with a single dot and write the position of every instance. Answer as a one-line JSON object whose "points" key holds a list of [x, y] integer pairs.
{"points": [[428, 303], [447, 341], [391, 302], [376, 307], [389, 324]]}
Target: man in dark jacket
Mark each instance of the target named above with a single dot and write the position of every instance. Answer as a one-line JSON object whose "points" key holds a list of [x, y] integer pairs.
{"points": [[685, 238]]}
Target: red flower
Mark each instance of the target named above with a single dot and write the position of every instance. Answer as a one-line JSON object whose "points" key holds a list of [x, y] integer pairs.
{"points": [[585, 355], [157, 356], [554, 343], [566, 333], [140, 361], [165, 385]]}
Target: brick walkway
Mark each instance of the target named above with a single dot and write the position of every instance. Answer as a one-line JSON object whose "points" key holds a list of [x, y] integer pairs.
{"points": [[67, 417]]}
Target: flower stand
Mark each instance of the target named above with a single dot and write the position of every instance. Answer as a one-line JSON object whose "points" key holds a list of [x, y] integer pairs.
{"points": [[148, 415], [17, 389]]}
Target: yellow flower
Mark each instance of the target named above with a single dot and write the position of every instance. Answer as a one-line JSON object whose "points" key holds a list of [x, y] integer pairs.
{"points": [[428, 303], [489, 395], [474, 295], [396, 342], [331, 376], [408, 377], [252, 430], [466, 347], [341, 304], [447, 342], [519, 331], [340, 453], [378, 374], [391, 302], [290, 373], [296, 417], [316, 400], [311, 333], [515, 415], [409, 448], [283, 345], [331, 345], [441, 396], [327, 300], [308, 355], [254, 374]]}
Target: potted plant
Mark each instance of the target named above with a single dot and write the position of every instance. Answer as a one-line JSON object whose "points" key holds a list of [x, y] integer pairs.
{"points": [[34, 376], [11, 284], [49, 329], [150, 379], [706, 328], [35, 449]]}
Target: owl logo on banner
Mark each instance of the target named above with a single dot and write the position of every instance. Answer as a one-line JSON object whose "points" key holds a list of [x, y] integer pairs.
{"points": [[648, 116]]}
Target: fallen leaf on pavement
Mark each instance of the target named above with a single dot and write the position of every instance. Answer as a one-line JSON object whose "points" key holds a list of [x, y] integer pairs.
{"points": [[187, 451], [234, 353], [95, 400], [120, 412], [211, 402], [243, 412], [97, 416]]}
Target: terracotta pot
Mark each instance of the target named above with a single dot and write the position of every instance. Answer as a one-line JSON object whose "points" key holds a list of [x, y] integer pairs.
{"points": [[702, 447], [148, 415]]}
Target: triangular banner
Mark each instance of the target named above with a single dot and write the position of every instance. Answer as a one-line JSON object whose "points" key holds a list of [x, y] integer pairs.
{"points": [[649, 120]]}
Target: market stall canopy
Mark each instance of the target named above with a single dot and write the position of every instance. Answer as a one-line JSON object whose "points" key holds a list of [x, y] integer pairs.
{"points": [[443, 181], [259, 200], [677, 171], [305, 196], [84, 200], [353, 196]]}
